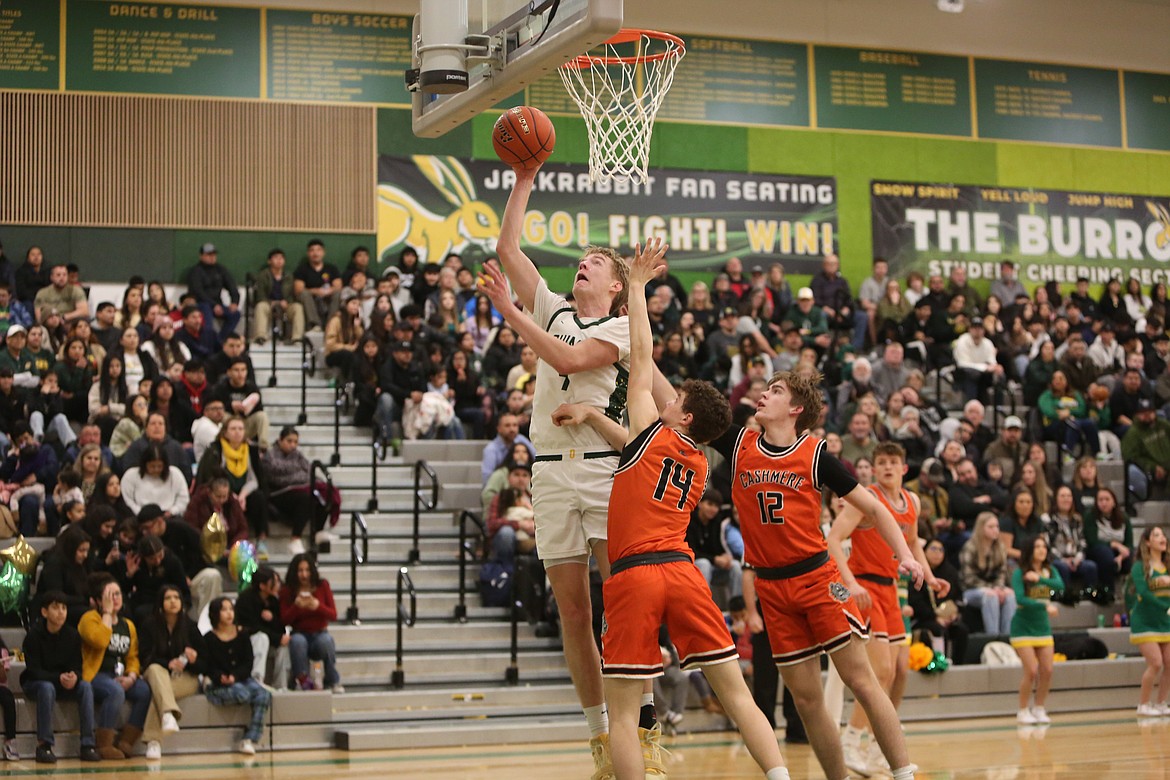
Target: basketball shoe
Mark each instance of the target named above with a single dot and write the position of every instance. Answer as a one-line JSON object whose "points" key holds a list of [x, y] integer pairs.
{"points": [[602, 760], [652, 751]]}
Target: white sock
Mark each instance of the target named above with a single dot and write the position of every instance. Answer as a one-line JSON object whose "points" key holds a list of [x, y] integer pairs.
{"points": [[905, 773], [648, 699], [779, 773], [597, 718]]}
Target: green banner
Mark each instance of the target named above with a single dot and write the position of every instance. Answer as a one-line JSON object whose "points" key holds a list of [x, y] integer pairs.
{"points": [[30, 44], [159, 49], [1035, 101], [337, 57], [1052, 234], [1147, 110], [445, 204], [894, 91]]}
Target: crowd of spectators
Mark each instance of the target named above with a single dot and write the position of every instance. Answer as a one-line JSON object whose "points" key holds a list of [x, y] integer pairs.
{"points": [[123, 430]]}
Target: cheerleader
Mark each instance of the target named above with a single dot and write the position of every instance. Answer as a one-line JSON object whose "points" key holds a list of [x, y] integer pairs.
{"points": [[1149, 621], [1034, 584]]}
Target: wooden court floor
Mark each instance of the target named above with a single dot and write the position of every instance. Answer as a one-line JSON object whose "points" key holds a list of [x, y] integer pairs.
{"points": [[1105, 746]]}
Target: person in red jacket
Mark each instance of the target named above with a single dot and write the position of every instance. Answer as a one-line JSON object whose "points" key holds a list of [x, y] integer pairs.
{"points": [[306, 604]]}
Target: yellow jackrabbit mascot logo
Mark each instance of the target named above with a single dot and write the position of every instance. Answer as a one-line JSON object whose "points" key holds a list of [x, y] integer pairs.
{"points": [[403, 220]]}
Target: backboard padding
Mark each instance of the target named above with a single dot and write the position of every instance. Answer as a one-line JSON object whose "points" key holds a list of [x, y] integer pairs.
{"points": [[576, 27]]}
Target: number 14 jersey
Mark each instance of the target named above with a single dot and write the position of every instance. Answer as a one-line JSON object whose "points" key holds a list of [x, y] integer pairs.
{"points": [[657, 485], [777, 495]]}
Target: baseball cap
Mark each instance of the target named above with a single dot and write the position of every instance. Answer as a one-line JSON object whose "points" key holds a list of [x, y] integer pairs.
{"points": [[757, 269], [150, 512], [976, 322], [520, 467], [728, 311], [757, 360], [15, 329], [403, 346], [1013, 422], [1145, 405], [933, 468], [208, 249], [804, 292]]}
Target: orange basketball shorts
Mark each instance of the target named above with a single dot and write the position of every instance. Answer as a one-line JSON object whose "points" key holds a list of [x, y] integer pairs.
{"points": [[884, 616], [640, 599], [809, 614]]}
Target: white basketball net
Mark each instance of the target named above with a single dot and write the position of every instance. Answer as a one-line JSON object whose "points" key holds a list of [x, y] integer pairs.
{"points": [[619, 89]]}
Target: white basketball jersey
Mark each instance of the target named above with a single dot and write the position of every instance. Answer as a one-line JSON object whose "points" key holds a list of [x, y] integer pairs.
{"points": [[603, 388]]}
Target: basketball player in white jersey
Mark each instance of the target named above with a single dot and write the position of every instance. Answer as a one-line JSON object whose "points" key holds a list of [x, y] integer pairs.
{"points": [[583, 352]]}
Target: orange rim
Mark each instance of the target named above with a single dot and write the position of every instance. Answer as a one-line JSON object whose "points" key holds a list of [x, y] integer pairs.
{"points": [[630, 35]]}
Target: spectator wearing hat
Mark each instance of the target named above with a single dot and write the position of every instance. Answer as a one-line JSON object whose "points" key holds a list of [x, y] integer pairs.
{"points": [[400, 379], [1146, 450], [276, 301], [1008, 449], [1105, 353], [1007, 286], [317, 285], [975, 361], [810, 320], [208, 281], [183, 541], [16, 359], [723, 342]]}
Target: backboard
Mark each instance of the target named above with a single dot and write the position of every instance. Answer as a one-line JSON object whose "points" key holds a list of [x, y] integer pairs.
{"points": [[509, 44]]}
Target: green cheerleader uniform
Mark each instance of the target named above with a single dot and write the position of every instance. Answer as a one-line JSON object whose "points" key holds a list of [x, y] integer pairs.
{"points": [[1030, 626], [1148, 618]]}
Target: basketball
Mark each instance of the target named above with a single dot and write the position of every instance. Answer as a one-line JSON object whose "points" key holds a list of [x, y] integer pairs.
{"points": [[524, 137]]}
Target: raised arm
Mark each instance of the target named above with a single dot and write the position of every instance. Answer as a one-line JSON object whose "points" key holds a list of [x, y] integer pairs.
{"points": [[565, 359], [521, 271], [640, 392]]}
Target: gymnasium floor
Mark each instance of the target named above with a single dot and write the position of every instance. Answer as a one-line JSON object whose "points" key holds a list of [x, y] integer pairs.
{"points": [[1104, 746]]}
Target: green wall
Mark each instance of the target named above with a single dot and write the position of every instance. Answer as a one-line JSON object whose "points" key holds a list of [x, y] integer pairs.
{"points": [[854, 158]]}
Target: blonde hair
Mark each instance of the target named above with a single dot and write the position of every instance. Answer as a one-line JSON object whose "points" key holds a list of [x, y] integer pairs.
{"points": [[621, 273], [988, 552]]}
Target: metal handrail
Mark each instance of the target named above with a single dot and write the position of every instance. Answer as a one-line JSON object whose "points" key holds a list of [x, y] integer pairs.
{"points": [[308, 366], [398, 676], [512, 673], [249, 286], [421, 502], [381, 448], [274, 333], [466, 553], [360, 555], [324, 500], [340, 399]]}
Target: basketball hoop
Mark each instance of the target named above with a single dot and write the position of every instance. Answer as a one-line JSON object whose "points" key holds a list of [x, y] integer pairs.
{"points": [[619, 88]]}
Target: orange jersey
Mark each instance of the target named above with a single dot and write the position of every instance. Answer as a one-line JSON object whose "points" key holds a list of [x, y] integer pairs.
{"points": [[656, 486], [777, 493], [871, 554]]}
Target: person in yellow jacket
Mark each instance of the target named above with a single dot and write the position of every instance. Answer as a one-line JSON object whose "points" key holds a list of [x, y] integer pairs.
{"points": [[109, 663]]}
